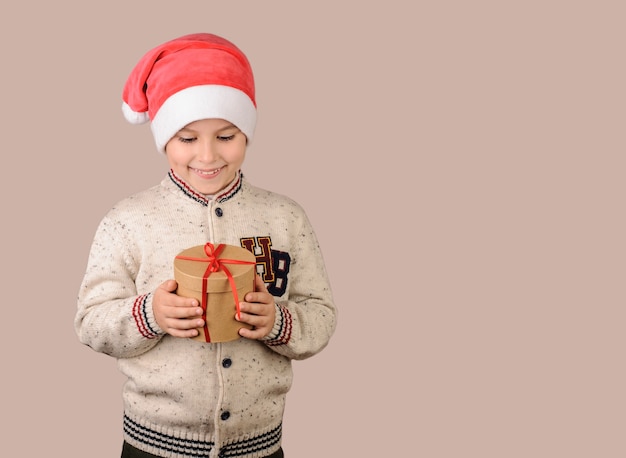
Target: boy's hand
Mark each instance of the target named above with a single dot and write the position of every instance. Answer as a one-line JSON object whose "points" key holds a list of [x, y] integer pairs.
{"points": [[176, 315], [258, 311]]}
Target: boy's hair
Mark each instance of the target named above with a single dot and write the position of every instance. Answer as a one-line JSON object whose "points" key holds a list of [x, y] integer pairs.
{"points": [[193, 77]]}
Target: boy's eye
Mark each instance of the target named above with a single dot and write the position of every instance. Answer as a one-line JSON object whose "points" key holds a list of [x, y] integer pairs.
{"points": [[226, 138], [186, 139]]}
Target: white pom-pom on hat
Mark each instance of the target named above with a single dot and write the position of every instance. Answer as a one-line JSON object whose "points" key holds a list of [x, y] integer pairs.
{"points": [[134, 117]]}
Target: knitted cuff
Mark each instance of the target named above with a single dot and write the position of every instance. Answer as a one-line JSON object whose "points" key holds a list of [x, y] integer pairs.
{"points": [[144, 317], [281, 332]]}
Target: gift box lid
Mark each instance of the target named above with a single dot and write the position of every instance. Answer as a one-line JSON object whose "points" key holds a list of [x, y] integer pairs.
{"points": [[191, 265]]}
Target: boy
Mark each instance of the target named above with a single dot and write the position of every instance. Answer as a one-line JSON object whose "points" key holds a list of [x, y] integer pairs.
{"points": [[185, 398]]}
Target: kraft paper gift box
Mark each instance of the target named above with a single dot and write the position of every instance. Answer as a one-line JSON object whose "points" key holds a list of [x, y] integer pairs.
{"points": [[219, 277]]}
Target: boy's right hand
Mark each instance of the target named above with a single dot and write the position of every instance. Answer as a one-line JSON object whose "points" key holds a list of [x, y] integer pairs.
{"points": [[176, 315]]}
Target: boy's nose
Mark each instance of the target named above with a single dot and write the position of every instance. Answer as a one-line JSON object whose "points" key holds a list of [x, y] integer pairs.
{"points": [[207, 153]]}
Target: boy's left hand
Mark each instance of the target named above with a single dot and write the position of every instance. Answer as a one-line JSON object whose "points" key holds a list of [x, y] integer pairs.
{"points": [[258, 311]]}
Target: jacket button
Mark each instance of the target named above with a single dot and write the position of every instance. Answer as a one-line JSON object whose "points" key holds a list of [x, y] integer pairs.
{"points": [[219, 212], [225, 415], [227, 362]]}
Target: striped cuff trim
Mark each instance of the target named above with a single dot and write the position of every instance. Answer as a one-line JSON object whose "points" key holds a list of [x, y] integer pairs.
{"points": [[140, 314], [281, 334]]}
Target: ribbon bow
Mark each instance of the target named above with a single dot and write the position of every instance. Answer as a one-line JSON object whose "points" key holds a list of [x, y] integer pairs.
{"points": [[216, 264]]}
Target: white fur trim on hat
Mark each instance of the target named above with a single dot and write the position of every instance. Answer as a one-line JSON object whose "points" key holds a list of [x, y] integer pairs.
{"points": [[203, 102]]}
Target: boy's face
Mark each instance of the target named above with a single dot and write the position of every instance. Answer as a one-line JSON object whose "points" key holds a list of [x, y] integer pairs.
{"points": [[207, 154]]}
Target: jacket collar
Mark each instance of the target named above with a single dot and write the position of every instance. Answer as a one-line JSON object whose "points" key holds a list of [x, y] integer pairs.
{"points": [[225, 194]]}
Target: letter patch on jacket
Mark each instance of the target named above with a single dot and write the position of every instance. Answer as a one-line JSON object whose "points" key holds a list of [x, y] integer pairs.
{"points": [[272, 265]]}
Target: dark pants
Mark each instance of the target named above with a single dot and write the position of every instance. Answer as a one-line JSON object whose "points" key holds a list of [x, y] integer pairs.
{"points": [[128, 451]]}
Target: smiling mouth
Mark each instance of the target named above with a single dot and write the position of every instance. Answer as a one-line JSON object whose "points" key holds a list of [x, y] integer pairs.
{"points": [[207, 173]]}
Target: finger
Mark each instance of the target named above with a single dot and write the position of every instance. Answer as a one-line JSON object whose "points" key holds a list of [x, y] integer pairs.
{"points": [[184, 324], [190, 323], [169, 286], [247, 333], [255, 334], [183, 333], [259, 284], [180, 301], [250, 308], [179, 312], [260, 297], [252, 319], [264, 309]]}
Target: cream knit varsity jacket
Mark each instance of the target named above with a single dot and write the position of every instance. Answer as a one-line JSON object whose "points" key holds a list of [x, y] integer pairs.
{"points": [[185, 398]]}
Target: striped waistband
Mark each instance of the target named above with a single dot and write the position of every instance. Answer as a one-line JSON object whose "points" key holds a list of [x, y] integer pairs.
{"points": [[157, 442]]}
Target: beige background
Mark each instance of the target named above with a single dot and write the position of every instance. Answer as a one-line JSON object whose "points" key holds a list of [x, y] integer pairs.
{"points": [[462, 162]]}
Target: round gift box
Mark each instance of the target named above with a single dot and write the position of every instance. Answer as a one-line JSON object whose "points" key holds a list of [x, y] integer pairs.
{"points": [[190, 271]]}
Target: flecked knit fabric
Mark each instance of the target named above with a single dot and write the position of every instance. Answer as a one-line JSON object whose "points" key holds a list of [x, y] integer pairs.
{"points": [[185, 398]]}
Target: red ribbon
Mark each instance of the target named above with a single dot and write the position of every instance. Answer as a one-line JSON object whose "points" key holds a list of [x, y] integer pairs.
{"points": [[216, 265]]}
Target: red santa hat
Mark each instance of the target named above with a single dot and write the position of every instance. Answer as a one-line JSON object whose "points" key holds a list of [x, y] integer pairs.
{"points": [[197, 76]]}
